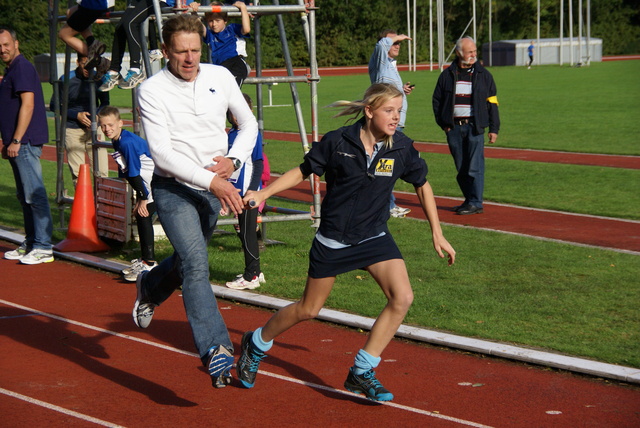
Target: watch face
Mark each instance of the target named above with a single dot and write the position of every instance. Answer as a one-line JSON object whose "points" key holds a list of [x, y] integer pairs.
{"points": [[237, 164]]}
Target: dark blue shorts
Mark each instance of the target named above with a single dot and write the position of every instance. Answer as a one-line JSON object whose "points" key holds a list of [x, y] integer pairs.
{"points": [[82, 18], [326, 262]]}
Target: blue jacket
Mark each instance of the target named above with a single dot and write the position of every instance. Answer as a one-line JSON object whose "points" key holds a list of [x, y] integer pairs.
{"points": [[483, 99], [356, 204]]}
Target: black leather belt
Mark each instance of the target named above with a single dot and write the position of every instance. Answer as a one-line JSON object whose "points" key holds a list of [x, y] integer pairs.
{"points": [[461, 121]]}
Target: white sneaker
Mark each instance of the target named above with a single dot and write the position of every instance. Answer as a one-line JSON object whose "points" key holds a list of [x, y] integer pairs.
{"points": [[37, 256], [18, 253], [132, 79], [261, 278], [155, 55], [404, 211], [137, 270], [109, 81], [134, 263], [242, 284], [399, 212]]}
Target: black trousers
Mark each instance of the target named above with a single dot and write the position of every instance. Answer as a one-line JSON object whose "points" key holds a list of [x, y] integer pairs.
{"points": [[247, 222], [145, 233]]}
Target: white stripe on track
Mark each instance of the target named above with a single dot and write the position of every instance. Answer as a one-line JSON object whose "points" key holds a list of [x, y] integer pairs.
{"points": [[98, 329], [386, 403], [273, 375], [58, 409]]}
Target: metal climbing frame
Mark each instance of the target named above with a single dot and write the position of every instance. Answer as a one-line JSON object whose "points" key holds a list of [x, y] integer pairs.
{"points": [[60, 110], [307, 13]]}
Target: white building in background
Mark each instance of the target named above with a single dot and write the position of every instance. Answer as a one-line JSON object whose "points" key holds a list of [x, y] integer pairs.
{"points": [[514, 52]]}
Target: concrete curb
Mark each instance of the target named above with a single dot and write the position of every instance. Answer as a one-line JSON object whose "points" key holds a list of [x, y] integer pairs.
{"points": [[564, 362]]}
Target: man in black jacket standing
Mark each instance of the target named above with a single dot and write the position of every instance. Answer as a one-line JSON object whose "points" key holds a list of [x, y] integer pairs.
{"points": [[464, 104]]}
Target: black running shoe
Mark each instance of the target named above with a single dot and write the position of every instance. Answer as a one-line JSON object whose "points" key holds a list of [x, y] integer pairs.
{"points": [[96, 49], [219, 367], [367, 384], [101, 69], [249, 361]]}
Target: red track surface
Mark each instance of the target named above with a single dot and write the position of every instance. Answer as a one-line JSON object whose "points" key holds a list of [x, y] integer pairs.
{"points": [[82, 353]]}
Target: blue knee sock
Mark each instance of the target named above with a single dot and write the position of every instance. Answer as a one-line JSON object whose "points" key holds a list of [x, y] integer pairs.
{"points": [[259, 343], [365, 362]]}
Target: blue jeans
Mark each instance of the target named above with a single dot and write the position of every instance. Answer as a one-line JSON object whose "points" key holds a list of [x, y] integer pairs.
{"points": [[188, 217], [27, 171], [467, 150]]}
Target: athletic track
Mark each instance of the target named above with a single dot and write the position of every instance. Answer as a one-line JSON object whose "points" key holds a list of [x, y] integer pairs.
{"points": [[71, 355]]}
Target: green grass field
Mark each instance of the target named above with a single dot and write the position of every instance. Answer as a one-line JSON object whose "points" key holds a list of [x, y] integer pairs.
{"points": [[590, 109], [564, 298]]}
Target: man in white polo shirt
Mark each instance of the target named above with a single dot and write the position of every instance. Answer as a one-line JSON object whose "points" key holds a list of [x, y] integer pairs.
{"points": [[183, 110]]}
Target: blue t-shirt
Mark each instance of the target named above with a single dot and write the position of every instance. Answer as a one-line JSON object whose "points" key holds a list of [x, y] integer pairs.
{"points": [[223, 45], [530, 49], [21, 76], [134, 159], [132, 148]]}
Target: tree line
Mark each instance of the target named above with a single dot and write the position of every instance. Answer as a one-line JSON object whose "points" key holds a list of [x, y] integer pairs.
{"points": [[348, 29]]}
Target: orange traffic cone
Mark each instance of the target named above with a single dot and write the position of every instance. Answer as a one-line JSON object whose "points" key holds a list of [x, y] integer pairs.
{"points": [[83, 225]]}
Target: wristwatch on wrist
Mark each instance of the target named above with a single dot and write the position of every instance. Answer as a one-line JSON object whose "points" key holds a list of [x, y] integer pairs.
{"points": [[15, 141], [236, 163]]}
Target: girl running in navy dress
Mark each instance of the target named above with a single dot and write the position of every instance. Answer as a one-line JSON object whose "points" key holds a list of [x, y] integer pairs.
{"points": [[360, 162]]}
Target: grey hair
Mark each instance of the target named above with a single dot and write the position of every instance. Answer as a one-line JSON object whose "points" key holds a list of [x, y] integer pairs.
{"points": [[459, 43]]}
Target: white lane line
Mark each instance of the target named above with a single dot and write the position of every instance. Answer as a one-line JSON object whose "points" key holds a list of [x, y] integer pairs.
{"points": [[273, 375], [386, 403], [58, 409], [98, 329]]}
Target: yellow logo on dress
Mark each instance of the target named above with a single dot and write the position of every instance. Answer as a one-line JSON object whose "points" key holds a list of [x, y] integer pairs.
{"points": [[385, 167]]}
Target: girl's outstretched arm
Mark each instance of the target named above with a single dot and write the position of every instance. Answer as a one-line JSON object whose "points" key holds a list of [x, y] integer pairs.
{"points": [[428, 202], [286, 181]]}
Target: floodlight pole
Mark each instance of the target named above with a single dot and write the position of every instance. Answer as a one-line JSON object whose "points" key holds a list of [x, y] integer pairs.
{"points": [[561, 32], [490, 37], [440, 29], [415, 37], [430, 35], [579, 32], [538, 50], [475, 39], [571, 32], [588, 32], [409, 31]]}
